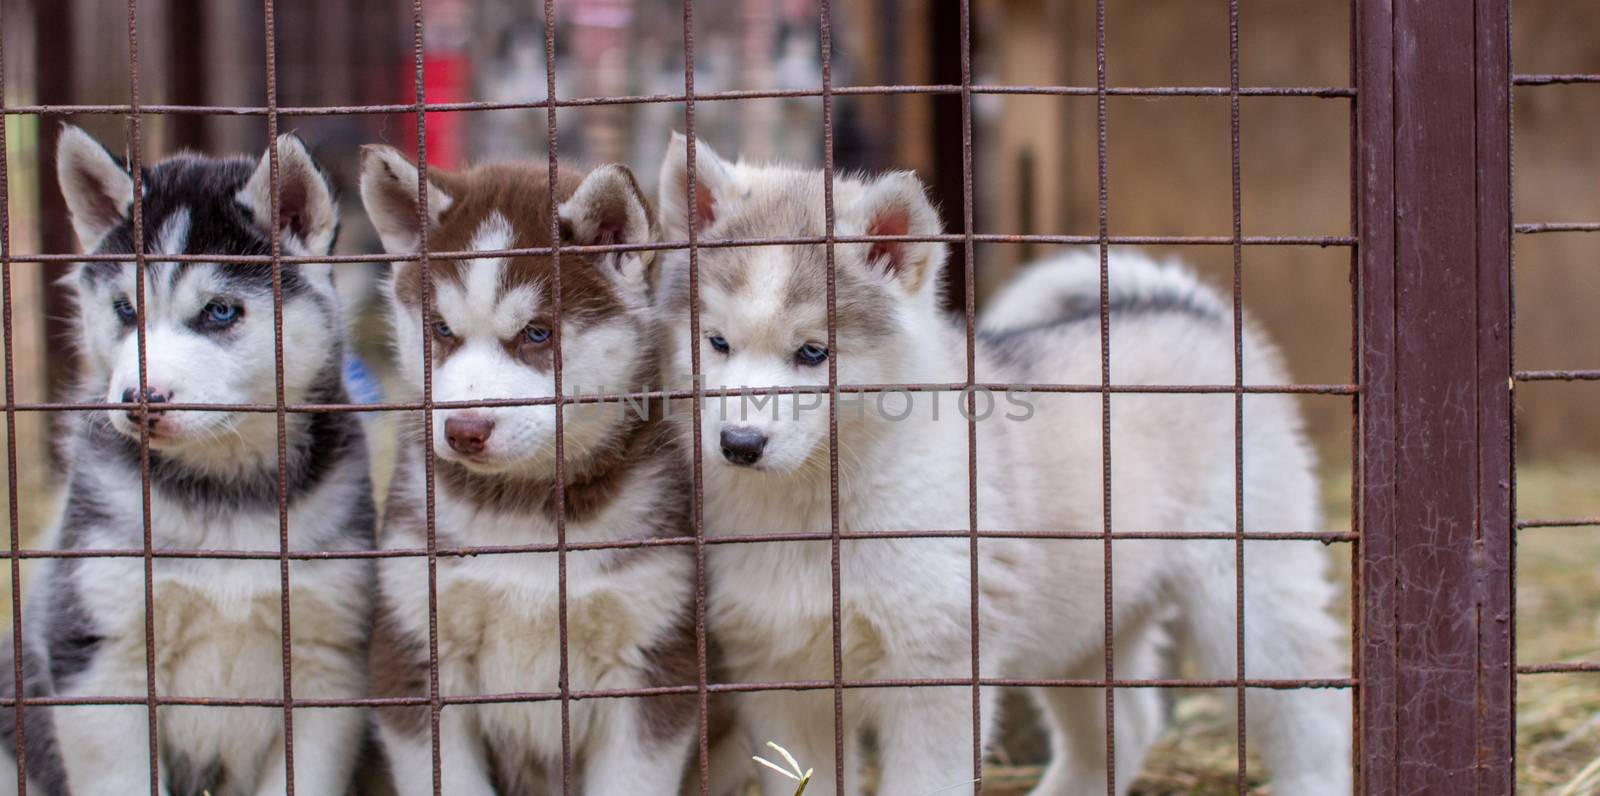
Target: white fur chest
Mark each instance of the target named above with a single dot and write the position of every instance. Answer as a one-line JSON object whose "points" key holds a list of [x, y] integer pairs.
{"points": [[499, 620]]}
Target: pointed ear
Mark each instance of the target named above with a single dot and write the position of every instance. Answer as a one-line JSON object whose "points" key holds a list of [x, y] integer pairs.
{"points": [[609, 209], [897, 204], [306, 212], [389, 191], [96, 185], [713, 188]]}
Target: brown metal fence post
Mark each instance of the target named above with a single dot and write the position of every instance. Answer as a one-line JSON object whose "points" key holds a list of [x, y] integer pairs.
{"points": [[1435, 225]]}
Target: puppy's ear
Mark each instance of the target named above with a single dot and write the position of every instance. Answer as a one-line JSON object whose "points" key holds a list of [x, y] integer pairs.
{"points": [[96, 185], [713, 188], [306, 212], [897, 204], [389, 191], [608, 209]]}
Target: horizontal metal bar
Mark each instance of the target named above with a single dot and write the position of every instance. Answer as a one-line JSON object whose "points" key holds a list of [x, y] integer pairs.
{"points": [[1317, 92], [1558, 375], [1320, 241], [1555, 226], [1580, 667], [1577, 522], [721, 392], [1276, 684], [1553, 80], [1326, 537]]}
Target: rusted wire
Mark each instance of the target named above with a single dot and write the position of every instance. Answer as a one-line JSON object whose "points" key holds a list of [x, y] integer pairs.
{"points": [[435, 698], [1103, 178], [825, 34], [12, 497], [969, 311], [141, 331], [703, 688], [577, 695], [696, 468], [1238, 397], [1321, 241], [1323, 92], [560, 506], [274, 189], [1553, 80], [751, 537]]}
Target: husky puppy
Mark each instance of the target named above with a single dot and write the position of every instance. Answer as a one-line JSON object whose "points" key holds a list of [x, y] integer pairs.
{"points": [[902, 461], [214, 476], [491, 329]]}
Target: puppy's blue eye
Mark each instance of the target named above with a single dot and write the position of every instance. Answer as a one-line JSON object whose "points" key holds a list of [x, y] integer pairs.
{"points": [[442, 331], [719, 343], [124, 310], [219, 314], [536, 334], [811, 354]]}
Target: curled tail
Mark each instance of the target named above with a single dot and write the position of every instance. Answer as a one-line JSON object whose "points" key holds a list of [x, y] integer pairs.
{"points": [[1066, 288]]}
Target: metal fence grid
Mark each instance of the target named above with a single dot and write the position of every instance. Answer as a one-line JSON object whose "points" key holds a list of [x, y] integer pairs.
{"points": [[1531, 82], [1383, 181]]}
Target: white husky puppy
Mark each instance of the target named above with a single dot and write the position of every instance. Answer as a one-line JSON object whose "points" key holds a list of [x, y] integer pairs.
{"points": [[629, 611], [214, 484], [903, 467]]}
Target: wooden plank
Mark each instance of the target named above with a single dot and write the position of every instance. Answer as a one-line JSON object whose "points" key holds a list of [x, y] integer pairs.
{"points": [[1435, 227]]}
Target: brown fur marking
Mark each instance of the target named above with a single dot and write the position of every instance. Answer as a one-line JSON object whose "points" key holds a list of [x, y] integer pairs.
{"points": [[521, 193], [399, 669]]}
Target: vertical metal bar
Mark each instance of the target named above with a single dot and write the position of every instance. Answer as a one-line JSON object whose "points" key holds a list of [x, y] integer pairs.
{"points": [[1104, 232], [1240, 730], [136, 172], [1357, 588], [1496, 532], [1511, 351], [697, 485], [276, 200], [839, 740], [1379, 716], [563, 678], [969, 296], [1436, 419], [13, 514], [435, 699]]}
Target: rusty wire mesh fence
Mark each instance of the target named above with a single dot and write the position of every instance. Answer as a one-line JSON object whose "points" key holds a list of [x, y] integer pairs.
{"points": [[1431, 543]]}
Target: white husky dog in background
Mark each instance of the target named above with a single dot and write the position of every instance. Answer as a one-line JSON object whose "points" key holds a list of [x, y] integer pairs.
{"points": [[902, 458]]}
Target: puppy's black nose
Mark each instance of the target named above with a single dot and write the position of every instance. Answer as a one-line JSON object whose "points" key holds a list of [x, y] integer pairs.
{"points": [[743, 445], [154, 395]]}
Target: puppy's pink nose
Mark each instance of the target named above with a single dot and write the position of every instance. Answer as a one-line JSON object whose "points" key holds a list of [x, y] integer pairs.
{"points": [[468, 434]]}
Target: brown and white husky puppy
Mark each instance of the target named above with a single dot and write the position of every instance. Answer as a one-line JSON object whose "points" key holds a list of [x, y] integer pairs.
{"points": [[492, 329]]}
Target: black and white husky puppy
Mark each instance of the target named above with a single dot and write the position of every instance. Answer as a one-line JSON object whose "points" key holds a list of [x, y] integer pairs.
{"points": [[491, 326], [214, 484]]}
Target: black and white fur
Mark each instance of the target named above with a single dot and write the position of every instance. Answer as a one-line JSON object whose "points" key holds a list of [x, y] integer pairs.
{"points": [[213, 485]]}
